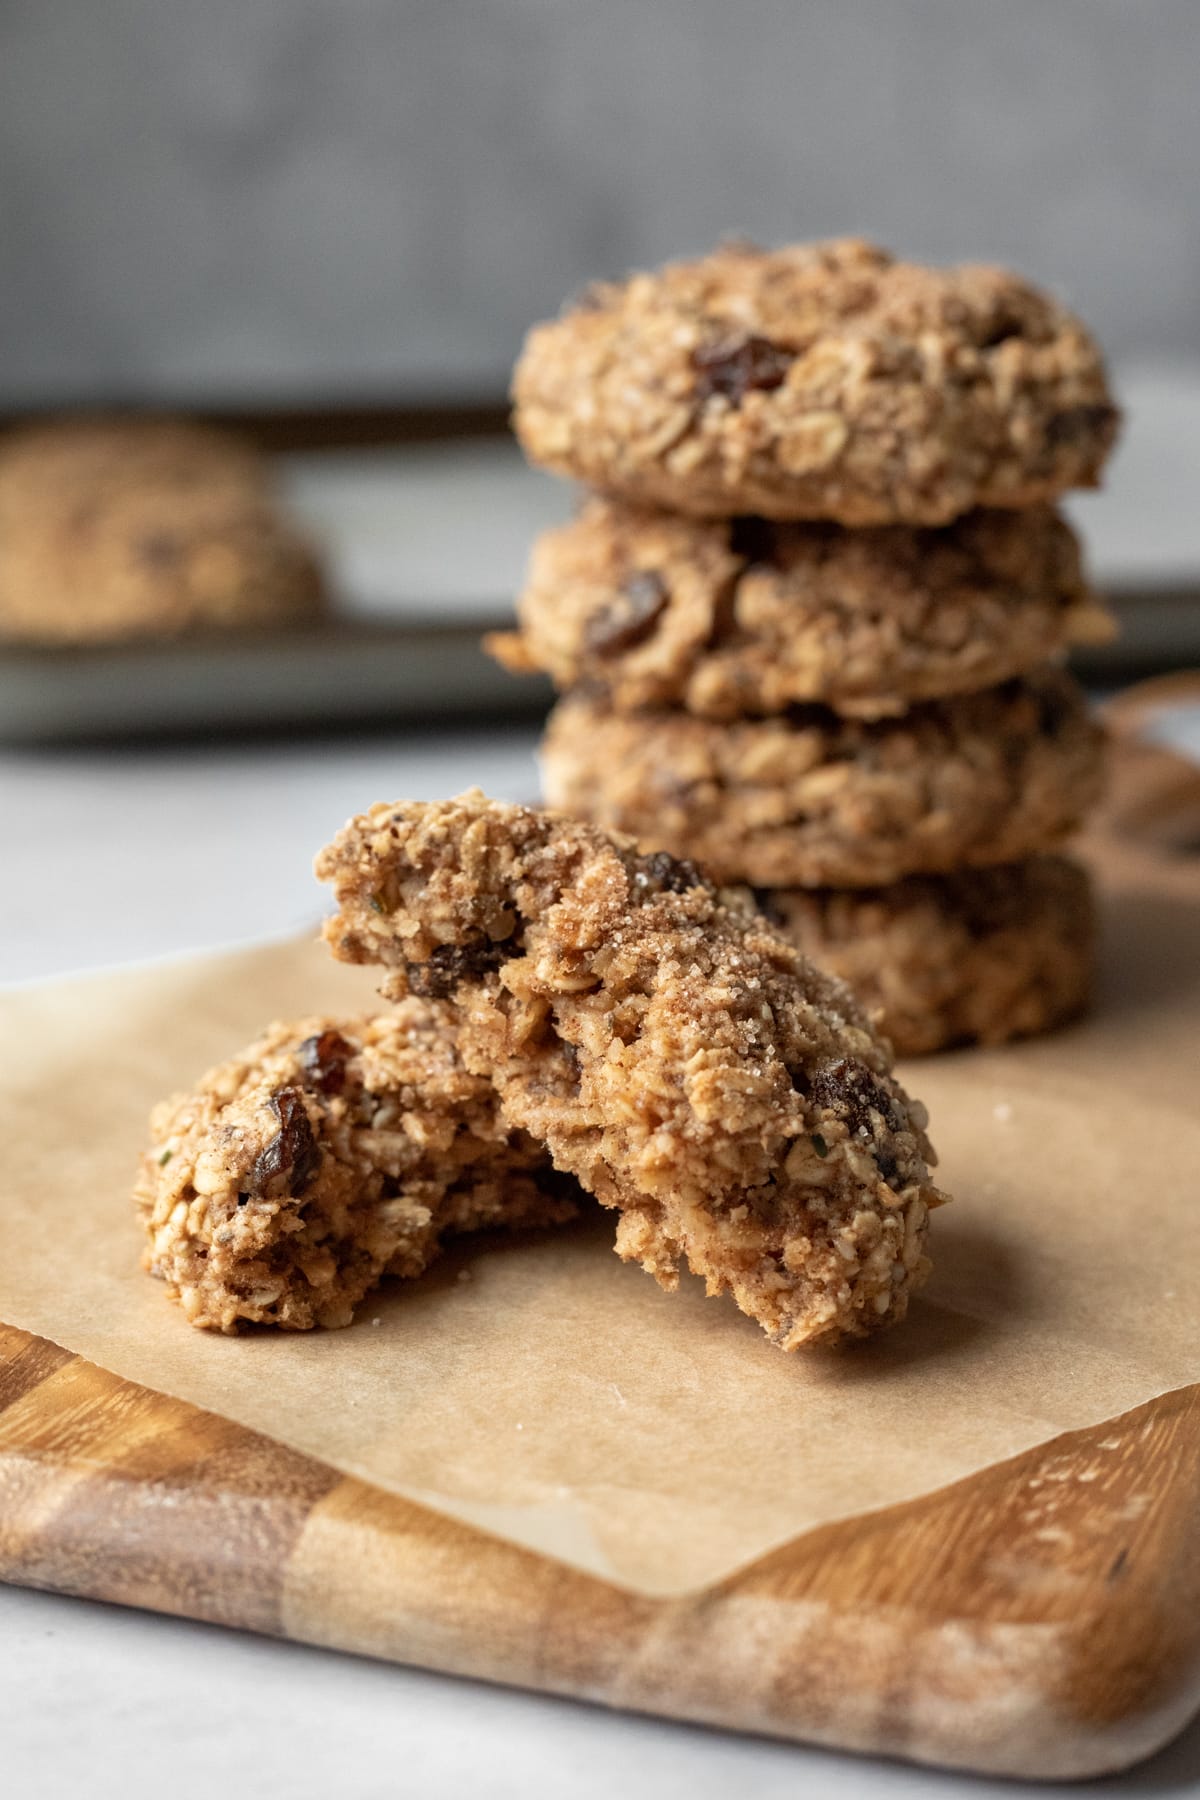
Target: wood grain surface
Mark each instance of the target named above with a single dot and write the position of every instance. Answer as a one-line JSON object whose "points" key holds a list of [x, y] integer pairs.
{"points": [[1041, 1618]]}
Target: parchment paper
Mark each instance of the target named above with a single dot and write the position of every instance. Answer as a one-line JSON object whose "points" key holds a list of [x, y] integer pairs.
{"points": [[555, 1396]]}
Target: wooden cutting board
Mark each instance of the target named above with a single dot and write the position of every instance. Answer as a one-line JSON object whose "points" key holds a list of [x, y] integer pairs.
{"points": [[1040, 1619], [1033, 1620]]}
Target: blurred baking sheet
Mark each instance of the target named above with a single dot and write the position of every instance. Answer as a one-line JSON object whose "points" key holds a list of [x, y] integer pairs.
{"points": [[431, 534], [427, 545], [342, 673], [1141, 532]]}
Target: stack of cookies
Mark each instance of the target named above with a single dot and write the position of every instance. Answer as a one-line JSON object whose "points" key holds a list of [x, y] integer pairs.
{"points": [[810, 622]]}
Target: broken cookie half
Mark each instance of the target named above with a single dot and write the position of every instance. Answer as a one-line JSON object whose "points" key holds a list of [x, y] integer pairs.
{"points": [[329, 1154], [665, 1044]]}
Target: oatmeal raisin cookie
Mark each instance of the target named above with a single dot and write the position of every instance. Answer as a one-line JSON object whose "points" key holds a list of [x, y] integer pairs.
{"points": [[113, 529], [809, 799], [733, 618], [976, 957], [329, 1154], [819, 381], [669, 1047]]}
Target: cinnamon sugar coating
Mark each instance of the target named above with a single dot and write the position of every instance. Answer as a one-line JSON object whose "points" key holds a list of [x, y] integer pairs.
{"points": [[739, 617], [818, 381], [977, 957], [330, 1153], [670, 1049], [809, 799]]}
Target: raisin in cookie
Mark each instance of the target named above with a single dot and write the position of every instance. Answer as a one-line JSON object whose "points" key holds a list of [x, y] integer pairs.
{"points": [[128, 528], [809, 799], [824, 381], [978, 957], [329, 1154], [740, 617], [671, 1050]]}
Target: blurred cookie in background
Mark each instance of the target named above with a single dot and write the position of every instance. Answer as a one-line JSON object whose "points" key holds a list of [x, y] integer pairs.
{"points": [[114, 529]]}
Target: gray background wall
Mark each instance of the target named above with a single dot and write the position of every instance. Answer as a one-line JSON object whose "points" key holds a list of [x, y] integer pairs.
{"points": [[305, 199]]}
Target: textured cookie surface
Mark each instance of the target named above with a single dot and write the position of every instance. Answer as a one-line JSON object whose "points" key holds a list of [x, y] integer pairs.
{"points": [[327, 1155], [973, 958], [824, 381], [809, 799], [127, 528], [673, 1051], [740, 617]]}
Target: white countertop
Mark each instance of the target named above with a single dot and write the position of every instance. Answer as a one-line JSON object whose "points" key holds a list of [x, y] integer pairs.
{"points": [[115, 855], [98, 1703]]}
